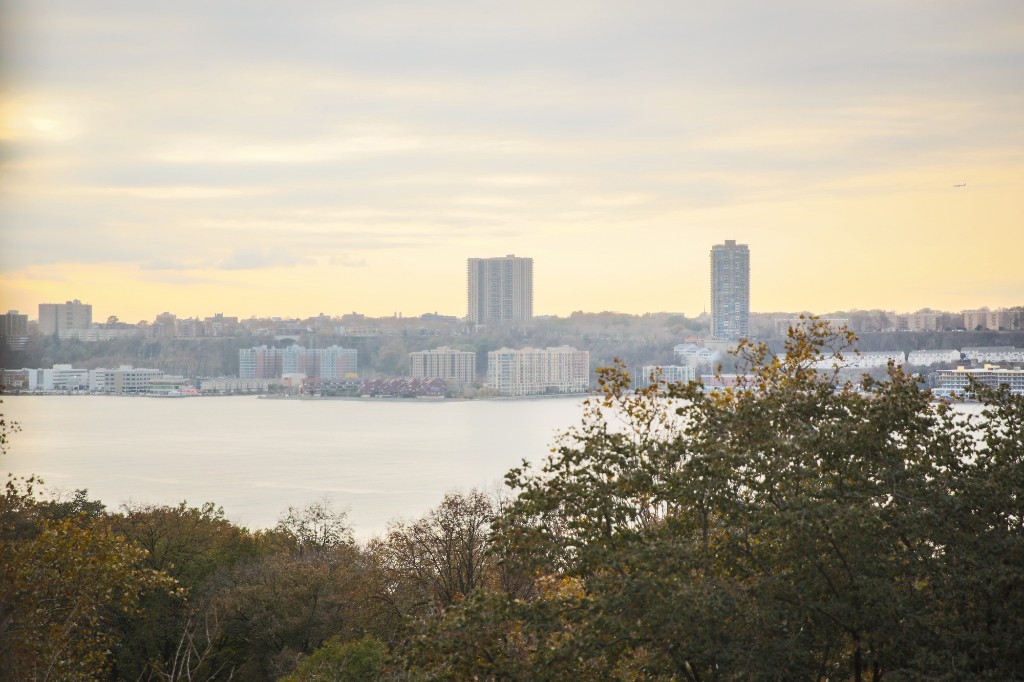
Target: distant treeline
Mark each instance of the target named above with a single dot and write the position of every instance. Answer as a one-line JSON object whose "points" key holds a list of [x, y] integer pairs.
{"points": [[637, 340]]}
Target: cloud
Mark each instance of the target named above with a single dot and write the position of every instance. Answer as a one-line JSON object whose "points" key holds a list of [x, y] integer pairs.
{"points": [[172, 265], [258, 259], [347, 261]]}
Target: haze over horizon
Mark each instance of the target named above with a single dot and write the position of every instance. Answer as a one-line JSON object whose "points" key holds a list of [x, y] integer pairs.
{"points": [[262, 159]]}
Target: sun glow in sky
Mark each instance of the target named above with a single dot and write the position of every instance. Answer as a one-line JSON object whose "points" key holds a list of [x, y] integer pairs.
{"points": [[265, 158]]}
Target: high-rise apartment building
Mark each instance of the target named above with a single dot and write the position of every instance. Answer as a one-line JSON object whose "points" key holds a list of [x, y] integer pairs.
{"points": [[59, 317], [456, 367], [730, 291], [500, 289]]}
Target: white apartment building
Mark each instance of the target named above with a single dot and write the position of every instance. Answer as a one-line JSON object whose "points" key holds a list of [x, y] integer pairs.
{"points": [[669, 374], [456, 367], [958, 380], [536, 371]]}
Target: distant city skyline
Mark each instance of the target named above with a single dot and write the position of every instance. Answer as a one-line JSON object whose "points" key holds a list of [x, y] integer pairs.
{"points": [[195, 158]]}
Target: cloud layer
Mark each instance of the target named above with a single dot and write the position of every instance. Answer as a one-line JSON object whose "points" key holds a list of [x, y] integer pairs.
{"points": [[365, 145]]}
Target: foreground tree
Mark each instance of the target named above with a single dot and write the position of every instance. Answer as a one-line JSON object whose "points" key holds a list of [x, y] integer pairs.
{"points": [[789, 528], [62, 590]]}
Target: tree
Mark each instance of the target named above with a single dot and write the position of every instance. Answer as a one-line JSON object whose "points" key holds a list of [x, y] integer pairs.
{"points": [[363, 659], [443, 556], [790, 528], [317, 526], [197, 546], [62, 590]]}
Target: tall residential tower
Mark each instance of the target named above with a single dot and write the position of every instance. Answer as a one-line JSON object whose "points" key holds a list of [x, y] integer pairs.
{"points": [[500, 289], [730, 291]]}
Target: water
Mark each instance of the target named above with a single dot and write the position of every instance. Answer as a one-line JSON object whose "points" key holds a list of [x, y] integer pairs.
{"points": [[381, 460]]}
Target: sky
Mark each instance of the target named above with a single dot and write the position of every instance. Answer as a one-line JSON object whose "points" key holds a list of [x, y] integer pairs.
{"points": [[267, 158]]}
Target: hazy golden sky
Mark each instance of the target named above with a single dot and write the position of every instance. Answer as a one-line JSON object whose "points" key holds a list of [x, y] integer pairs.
{"points": [[268, 158]]}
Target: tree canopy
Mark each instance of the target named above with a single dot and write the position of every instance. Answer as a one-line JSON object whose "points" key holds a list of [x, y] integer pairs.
{"points": [[785, 528]]}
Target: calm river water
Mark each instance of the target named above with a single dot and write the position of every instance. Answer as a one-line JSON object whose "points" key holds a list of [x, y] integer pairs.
{"points": [[382, 460]]}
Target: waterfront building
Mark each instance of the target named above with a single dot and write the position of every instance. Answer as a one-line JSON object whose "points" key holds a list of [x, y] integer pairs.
{"points": [[538, 371], [14, 379], [101, 380], [14, 329], [264, 362], [499, 290], [958, 381], [730, 291], [55, 318], [456, 367], [130, 380], [668, 374], [58, 378]]}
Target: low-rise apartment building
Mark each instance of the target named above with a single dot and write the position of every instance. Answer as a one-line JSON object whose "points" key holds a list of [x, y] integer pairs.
{"points": [[958, 381], [667, 374], [538, 371], [455, 367]]}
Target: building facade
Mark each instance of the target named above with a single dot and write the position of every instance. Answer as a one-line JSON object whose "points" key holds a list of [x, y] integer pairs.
{"points": [[538, 371], [958, 381], [14, 329], [692, 355], [456, 367], [669, 374], [730, 291], [499, 290], [55, 318], [265, 362], [992, 320], [925, 358], [918, 322]]}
